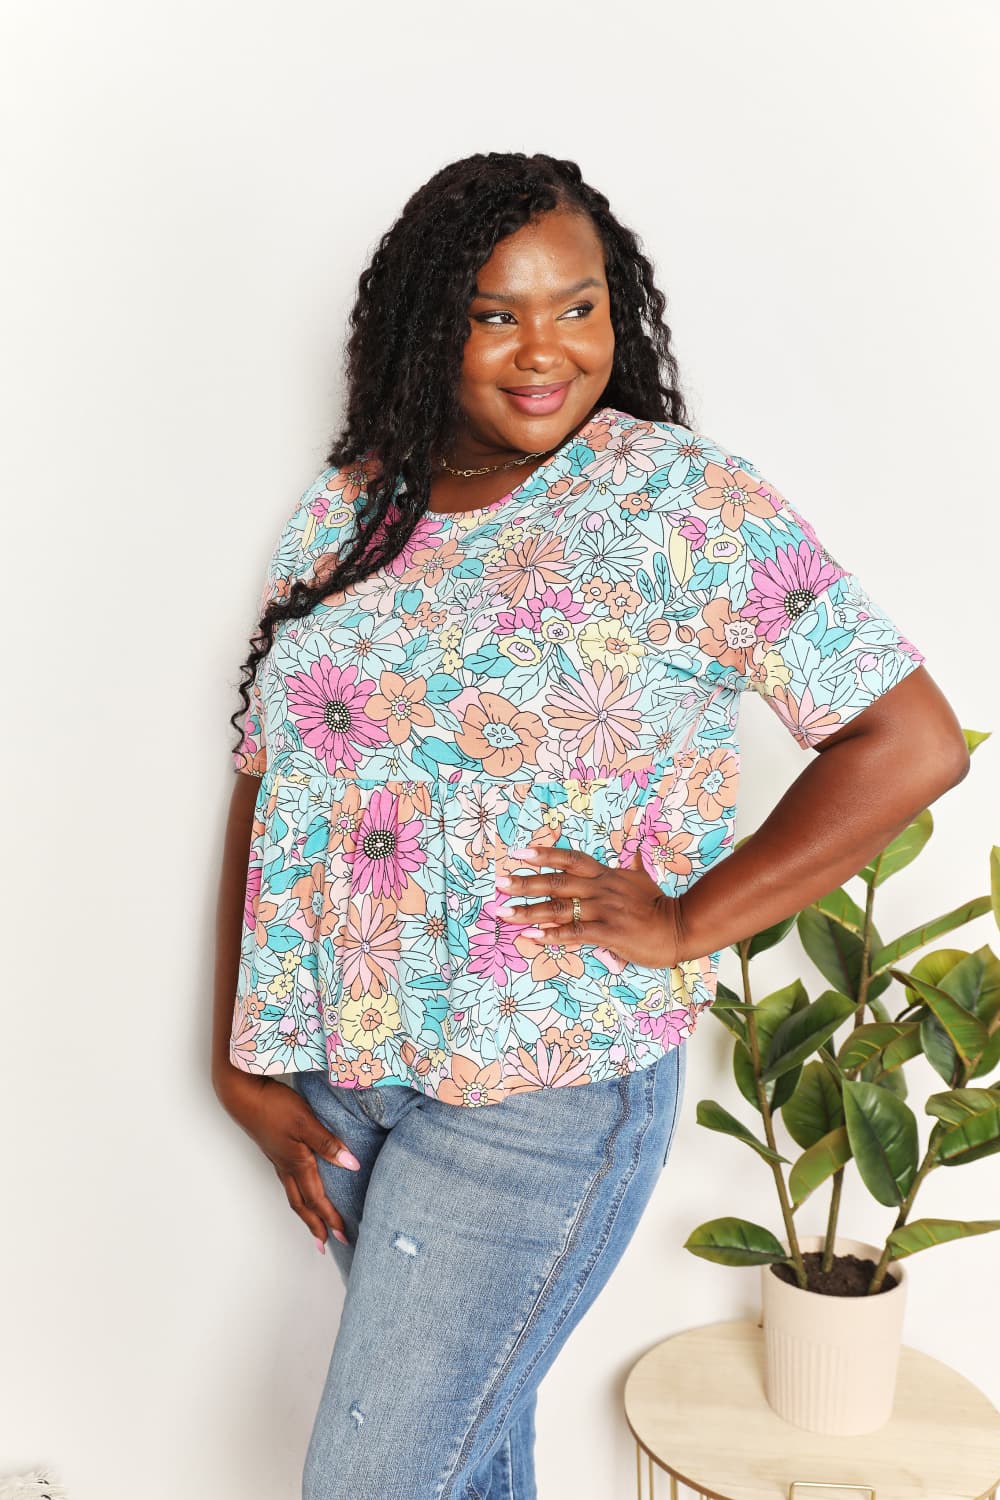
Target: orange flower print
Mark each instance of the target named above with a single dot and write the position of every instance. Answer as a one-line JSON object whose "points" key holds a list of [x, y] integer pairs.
{"points": [[726, 637], [667, 848], [807, 721], [546, 1068], [399, 705], [367, 1069], [470, 1084], [502, 736], [555, 961], [734, 493], [319, 915], [713, 783], [430, 564], [530, 567], [349, 483]]}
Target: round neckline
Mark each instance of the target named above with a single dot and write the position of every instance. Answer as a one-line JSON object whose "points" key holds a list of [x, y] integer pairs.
{"points": [[543, 471]]}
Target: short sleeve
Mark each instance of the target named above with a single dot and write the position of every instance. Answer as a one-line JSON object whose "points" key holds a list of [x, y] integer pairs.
{"points": [[818, 648], [311, 536]]}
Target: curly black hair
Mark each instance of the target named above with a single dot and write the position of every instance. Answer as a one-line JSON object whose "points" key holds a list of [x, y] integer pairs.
{"points": [[403, 356]]}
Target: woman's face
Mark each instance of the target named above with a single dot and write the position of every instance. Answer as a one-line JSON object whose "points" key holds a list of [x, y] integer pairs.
{"points": [[540, 322]]}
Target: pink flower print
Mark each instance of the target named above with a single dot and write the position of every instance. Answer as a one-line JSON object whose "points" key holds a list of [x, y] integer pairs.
{"points": [[327, 705], [785, 587], [511, 621], [734, 493], [695, 530], [252, 893], [597, 714], [628, 453], [386, 851], [368, 946], [492, 950], [558, 602], [667, 1027]]}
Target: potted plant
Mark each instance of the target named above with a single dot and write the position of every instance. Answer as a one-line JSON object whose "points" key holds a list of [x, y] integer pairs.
{"points": [[831, 1070]]}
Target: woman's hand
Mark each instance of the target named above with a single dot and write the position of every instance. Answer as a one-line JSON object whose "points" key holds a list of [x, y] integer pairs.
{"points": [[622, 910], [284, 1127]]}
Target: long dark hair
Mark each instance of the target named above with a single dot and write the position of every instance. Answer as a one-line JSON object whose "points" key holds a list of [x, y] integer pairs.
{"points": [[404, 351]]}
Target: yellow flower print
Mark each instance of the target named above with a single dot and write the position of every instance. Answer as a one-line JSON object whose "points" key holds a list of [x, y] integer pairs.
{"points": [[605, 1016], [554, 818], [724, 549], [449, 636], [436, 1056], [768, 671], [517, 648], [655, 999], [509, 536], [682, 981], [451, 661], [611, 642], [370, 1019], [290, 962], [281, 985]]}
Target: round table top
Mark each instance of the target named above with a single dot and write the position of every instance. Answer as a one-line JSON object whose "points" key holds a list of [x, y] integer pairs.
{"points": [[696, 1404]]}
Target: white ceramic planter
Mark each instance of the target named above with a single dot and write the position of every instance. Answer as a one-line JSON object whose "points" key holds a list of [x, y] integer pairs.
{"points": [[830, 1363]]}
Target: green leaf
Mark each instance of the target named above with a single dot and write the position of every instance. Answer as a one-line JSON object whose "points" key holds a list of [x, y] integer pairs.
{"points": [[870, 1041], [714, 1117], [727, 1008], [735, 1242], [768, 1015], [966, 1032], [837, 949], [976, 1137], [995, 882], [901, 852], [821, 1160], [761, 941], [938, 1050], [956, 1105], [988, 1002], [841, 908], [990, 1057], [803, 1031], [974, 738], [815, 1108], [919, 937], [883, 1136], [923, 1234]]}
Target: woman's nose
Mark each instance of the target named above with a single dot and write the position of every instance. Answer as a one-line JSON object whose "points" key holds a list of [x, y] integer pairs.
{"points": [[538, 351]]}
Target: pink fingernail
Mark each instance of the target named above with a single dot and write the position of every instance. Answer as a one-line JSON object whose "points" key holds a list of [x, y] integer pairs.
{"points": [[504, 883], [345, 1158], [341, 1237], [530, 856], [321, 1246], [535, 933]]}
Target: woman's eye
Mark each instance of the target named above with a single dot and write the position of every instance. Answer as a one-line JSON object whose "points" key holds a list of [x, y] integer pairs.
{"points": [[580, 310]]}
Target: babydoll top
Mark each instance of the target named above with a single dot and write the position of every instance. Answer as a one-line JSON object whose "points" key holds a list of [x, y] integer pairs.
{"points": [[564, 665]]}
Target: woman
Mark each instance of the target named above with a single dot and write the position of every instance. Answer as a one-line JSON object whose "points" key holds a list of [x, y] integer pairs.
{"points": [[479, 872]]}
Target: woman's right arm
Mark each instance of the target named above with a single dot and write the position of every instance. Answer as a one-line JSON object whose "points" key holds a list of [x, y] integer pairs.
{"points": [[276, 1117]]}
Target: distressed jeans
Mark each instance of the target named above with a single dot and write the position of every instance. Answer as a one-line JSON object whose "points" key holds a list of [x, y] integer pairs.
{"points": [[478, 1240]]}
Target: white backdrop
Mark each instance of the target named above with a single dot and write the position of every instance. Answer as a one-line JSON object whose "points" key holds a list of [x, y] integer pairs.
{"points": [[194, 188]]}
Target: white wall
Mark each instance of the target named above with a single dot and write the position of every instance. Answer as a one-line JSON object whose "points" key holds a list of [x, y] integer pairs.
{"points": [[195, 186]]}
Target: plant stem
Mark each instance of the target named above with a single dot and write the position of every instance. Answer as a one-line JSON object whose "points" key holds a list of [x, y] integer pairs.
{"points": [[928, 1163], [765, 1110], [831, 1223], [864, 977]]}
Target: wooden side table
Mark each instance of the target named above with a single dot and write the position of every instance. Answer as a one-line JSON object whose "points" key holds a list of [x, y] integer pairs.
{"points": [[696, 1407]]}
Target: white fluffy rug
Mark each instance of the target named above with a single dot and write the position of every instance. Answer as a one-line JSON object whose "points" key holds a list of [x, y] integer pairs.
{"points": [[38, 1485]]}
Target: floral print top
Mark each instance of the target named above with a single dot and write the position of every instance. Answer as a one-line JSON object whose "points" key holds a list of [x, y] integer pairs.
{"points": [[565, 664]]}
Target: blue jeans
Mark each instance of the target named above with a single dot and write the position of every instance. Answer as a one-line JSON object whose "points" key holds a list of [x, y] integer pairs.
{"points": [[478, 1240]]}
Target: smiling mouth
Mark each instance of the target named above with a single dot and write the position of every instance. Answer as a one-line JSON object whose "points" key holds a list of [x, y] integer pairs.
{"points": [[536, 391]]}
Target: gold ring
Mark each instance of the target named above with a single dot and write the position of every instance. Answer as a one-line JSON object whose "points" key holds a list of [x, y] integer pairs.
{"points": [[577, 911]]}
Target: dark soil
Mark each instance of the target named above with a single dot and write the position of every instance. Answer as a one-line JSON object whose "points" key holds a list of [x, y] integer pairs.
{"points": [[849, 1276]]}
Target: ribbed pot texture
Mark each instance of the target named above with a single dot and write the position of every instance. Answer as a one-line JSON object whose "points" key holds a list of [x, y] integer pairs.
{"points": [[830, 1363]]}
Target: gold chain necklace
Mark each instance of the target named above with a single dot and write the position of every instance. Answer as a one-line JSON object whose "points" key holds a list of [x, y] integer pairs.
{"points": [[492, 468]]}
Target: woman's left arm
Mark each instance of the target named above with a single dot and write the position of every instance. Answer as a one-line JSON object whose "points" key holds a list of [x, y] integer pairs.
{"points": [[864, 785]]}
